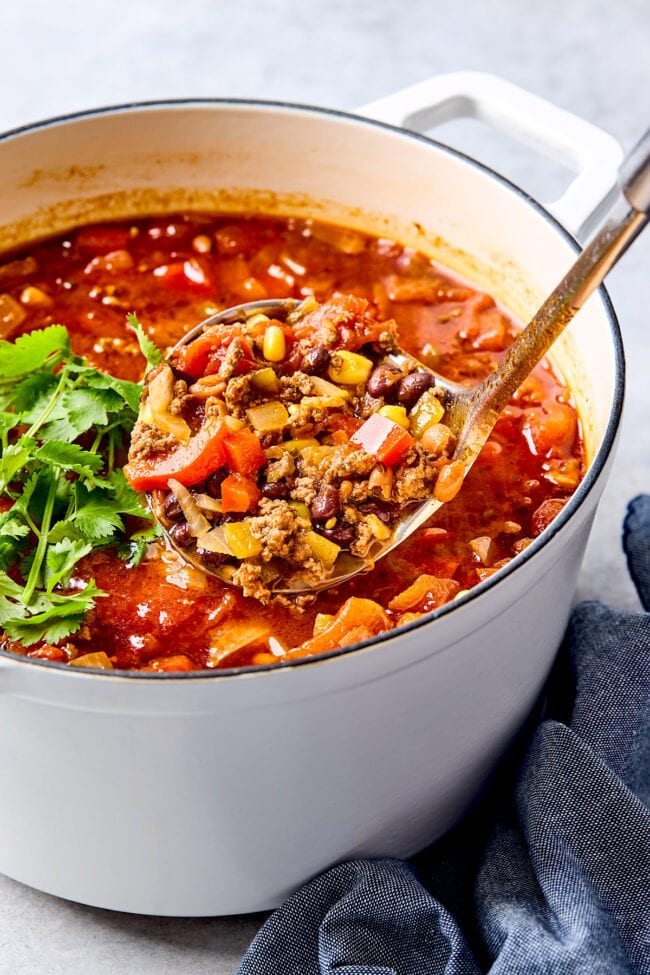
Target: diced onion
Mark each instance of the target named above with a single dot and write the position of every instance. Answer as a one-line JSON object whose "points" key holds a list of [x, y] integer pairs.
{"points": [[161, 393], [161, 389], [215, 541], [268, 417], [196, 522], [324, 388], [207, 503]]}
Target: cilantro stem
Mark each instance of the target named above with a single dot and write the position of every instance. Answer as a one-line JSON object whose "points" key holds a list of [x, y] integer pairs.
{"points": [[39, 555], [63, 378]]}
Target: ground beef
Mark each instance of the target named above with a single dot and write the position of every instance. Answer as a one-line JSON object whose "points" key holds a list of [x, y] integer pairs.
{"points": [[147, 440], [304, 489], [295, 387], [282, 468], [414, 476], [180, 398], [233, 354], [240, 394], [347, 461]]}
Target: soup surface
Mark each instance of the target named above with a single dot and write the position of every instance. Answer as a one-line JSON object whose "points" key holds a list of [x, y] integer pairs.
{"points": [[173, 272]]}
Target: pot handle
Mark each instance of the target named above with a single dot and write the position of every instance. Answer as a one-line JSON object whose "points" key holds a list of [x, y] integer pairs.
{"points": [[582, 147]]}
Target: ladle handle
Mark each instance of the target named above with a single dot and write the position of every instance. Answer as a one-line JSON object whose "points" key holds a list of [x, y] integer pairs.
{"points": [[629, 217]]}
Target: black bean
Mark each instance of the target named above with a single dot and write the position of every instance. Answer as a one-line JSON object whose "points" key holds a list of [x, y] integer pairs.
{"points": [[342, 533], [182, 535], [315, 362], [171, 508], [211, 558], [276, 491], [382, 380], [326, 504], [385, 512], [214, 482], [412, 386]]}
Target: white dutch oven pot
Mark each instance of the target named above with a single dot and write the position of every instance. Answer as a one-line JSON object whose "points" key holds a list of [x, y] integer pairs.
{"points": [[220, 793]]}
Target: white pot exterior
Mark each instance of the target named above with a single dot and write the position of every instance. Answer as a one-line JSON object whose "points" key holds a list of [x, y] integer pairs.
{"points": [[221, 793]]}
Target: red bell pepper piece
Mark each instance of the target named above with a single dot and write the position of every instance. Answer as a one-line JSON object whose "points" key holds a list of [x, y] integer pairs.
{"points": [[239, 493], [383, 438], [188, 464], [244, 453]]}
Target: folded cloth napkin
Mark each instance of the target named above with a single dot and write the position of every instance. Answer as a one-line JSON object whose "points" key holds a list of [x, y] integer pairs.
{"points": [[550, 873]]}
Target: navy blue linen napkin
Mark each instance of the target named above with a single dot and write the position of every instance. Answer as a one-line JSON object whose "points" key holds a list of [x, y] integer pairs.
{"points": [[550, 873]]}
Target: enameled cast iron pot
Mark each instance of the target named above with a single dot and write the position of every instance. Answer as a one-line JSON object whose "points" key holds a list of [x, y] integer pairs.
{"points": [[218, 793]]}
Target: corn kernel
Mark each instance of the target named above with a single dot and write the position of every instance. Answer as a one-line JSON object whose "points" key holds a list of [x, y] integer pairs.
{"points": [[275, 344], [397, 414], [349, 368]]}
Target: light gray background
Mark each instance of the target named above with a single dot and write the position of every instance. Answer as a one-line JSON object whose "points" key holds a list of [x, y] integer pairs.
{"points": [[589, 56]]}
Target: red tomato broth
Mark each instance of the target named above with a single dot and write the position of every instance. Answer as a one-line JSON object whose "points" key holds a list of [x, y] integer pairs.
{"points": [[531, 465]]}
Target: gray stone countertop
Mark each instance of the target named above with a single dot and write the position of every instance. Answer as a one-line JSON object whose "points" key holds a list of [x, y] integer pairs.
{"points": [[589, 56]]}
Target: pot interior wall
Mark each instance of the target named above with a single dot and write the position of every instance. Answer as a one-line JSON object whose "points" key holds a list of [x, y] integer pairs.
{"points": [[274, 160]]}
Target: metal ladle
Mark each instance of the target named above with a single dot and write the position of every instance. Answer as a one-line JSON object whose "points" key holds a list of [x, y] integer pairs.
{"points": [[471, 413]]}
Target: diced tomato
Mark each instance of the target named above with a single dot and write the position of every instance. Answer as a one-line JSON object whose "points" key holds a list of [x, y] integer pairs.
{"points": [[425, 594], [245, 364], [112, 263], [239, 493], [204, 355], [188, 464], [193, 358], [349, 315], [550, 427], [237, 280], [356, 619], [102, 240], [177, 661], [237, 238], [244, 454], [185, 276], [57, 654], [384, 439], [342, 423]]}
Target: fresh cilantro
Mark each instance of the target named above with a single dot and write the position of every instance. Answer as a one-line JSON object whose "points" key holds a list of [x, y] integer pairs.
{"points": [[64, 429], [135, 549], [31, 352], [149, 350]]}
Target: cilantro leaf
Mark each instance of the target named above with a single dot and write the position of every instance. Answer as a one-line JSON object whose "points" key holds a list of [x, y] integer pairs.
{"points": [[24, 396], [149, 349], [129, 392], [65, 495], [30, 352], [69, 457], [57, 617], [7, 422], [13, 459], [61, 559], [135, 549]]}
